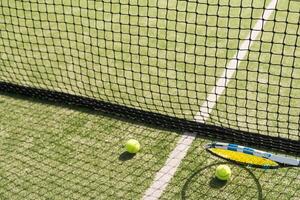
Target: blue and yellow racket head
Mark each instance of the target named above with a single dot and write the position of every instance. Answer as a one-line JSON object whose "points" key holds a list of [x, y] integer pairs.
{"points": [[243, 158], [242, 155]]}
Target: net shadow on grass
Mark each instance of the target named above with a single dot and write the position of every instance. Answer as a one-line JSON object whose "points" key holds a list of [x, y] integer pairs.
{"points": [[150, 119], [86, 105]]}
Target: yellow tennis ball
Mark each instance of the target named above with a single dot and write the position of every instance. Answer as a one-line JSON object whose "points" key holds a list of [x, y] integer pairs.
{"points": [[223, 172], [132, 146]]}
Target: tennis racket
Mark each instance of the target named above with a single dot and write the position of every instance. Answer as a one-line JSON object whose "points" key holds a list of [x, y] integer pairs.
{"points": [[250, 156]]}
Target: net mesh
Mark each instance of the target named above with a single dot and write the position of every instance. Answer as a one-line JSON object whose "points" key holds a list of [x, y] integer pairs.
{"points": [[228, 67]]}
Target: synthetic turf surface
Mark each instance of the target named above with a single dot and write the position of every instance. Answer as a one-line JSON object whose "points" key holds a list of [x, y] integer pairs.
{"points": [[55, 152], [52, 151]]}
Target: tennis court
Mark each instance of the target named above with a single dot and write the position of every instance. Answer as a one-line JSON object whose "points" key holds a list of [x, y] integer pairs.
{"points": [[165, 57], [49, 151]]}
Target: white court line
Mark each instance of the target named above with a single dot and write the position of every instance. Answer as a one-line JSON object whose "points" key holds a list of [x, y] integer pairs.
{"points": [[164, 175]]}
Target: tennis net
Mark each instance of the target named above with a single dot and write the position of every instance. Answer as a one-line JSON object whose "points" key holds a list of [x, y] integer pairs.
{"points": [[226, 69]]}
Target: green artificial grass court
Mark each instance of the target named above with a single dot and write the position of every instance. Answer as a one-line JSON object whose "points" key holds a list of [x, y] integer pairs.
{"points": [[49, 151], [53, 152], [160, 56]]}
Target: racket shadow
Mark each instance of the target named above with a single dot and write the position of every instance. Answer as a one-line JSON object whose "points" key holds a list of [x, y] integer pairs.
{"points": [[215, 183]]}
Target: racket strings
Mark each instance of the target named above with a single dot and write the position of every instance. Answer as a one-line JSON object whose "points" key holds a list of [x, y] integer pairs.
{"points": [[243, 158]]}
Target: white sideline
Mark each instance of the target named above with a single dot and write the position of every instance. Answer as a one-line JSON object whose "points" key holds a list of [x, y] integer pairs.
{"points": [[165, 174]]}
